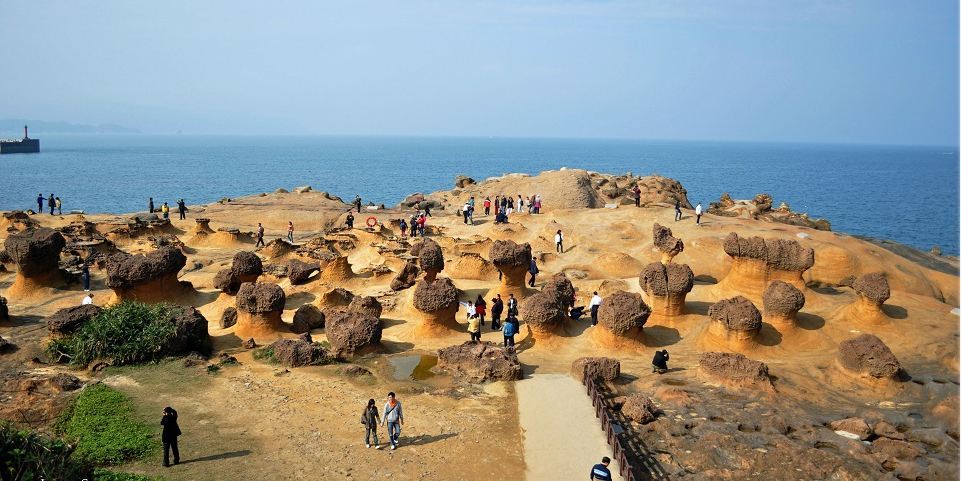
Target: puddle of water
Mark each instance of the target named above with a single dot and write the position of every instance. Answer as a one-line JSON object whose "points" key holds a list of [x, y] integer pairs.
{"points": [[415, 367]]}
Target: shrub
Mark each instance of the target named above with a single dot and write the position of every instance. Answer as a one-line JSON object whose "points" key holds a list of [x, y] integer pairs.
{"points": [[127, 333], [265, 354], [104, 427], [29, 456]]}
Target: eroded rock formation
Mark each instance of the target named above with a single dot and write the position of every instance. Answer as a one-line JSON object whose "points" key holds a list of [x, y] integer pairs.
{"points": [[623, 314], [602, 368], [67, 320], [872, 290], [436, 302], [299, 271], [259, 307], [758, 261], [36, 252], [735, 321], [667, 286], [639, 408], [246, 267], [307, 318], [406, 278], [352, 332], [782, 301], [479, 362], [430, 258], [665, 242], [298, 352], [869, 357], [734, 370], [512, 260], [542, 312], [147, 278]]}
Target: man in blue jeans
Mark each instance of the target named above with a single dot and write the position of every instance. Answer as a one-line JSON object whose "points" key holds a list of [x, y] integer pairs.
{"points": [[394, 418], [600, 472]]}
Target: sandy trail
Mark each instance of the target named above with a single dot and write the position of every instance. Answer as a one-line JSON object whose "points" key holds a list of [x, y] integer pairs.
{"points": [[562, 437]]}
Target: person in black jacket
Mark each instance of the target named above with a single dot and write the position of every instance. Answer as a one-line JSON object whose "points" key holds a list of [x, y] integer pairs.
{"points": [[600, 472], [660, 361], [370, 418], [169, 435], [497, 308], [182, 209]]}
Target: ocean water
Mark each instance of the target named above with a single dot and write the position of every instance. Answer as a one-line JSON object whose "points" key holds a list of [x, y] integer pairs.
{"points": [[907, 194]]}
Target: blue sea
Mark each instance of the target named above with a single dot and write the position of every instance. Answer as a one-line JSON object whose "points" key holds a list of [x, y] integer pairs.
{"points": [[907, 194]]}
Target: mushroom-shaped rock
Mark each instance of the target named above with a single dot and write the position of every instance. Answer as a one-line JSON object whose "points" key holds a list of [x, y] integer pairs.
{"points": [[872, 290], [430, 257], [299, 271], [246, 267], [148, 278], [479, 362], [406, 278], [512, 260], [366, 305], [868, 356], [542, 313], [37, 255], [667, 286], [352, 333], [560, 288], [603, 368], [639, 408], [665, 242], [736, 321], [67, 320], [259, 306], [298, 352], [306, 318], [623, 314], [757, 261], [436, 302], [782, 301], [734, 370]]}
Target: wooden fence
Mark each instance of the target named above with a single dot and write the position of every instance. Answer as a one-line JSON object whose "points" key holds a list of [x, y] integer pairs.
{"points": [[602, 413]]}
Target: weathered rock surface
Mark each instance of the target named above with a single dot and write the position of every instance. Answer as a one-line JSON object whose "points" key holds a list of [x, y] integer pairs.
{"points": [[867, 355], [760, 208], [299, 271], [855, 426], [430, 257], [667, 286], [35, 251], [259, 307], [560, 288], [307, 318], [782, 301], [298, 352], [735, 320], [479, 362], [623, 313], [151, 277], [603, 368], [512, 260], [665, 242], [780, 254], [67, 320], [228, 318], [406, 278], [734, 370], [435, 296], [639, 408], [542, 312], [352, 333], [366, 305], [246, 267]]}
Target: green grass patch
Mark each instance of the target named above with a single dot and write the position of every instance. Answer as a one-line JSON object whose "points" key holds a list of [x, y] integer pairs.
{"points": [[265, 354], [101, 474], [126, 333], [103, 424]]}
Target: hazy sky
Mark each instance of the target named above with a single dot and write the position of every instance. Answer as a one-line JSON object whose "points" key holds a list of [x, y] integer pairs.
{"points": [[833, 71]]}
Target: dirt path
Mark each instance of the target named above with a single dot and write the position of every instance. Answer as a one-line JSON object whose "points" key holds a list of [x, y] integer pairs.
{"points": [[562, 438]]}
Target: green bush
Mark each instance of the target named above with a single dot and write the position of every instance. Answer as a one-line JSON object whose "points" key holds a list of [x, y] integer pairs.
{"points": [[126, 333], [265, 354], [28, 456], [105, 429]]}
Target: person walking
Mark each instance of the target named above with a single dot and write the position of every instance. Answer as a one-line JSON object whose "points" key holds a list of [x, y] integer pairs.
{"points": [[427, 210], [349, 221], [510, 330], [59, 205], [677, 210], [530, 205], [40, 200], [480, 305], [290, 231], [697, 212], [487, 206], [595, 305], [559, 240], [85, 275], [150, 208], [357, 203], [182, 209], [413, 225], [171, 430], [370, 419], [533, 270], [394, 418], [497, 308], [465, 210], [51, 202], [520, 204], [403, 228], [600, 472], [660, 361], [637, 195], [165, 210], [260, 235]]}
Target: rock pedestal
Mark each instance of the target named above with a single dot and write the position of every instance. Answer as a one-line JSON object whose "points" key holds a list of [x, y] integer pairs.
{"points": [[36, 252], [259, 307], [666, 243], [782, 301], [735, 322], [757, 261], [435, 302], [666, 286], [621, 318], [147, 278], [512, 260], [872, 290]]}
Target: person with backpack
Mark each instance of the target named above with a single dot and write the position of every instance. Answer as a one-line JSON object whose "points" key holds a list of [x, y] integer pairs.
{"points": [[510, 330], [480, 305], [533, 270], [677, 210], [497, 308], [394, 418], [403, 228], [487, 206], [370, 418], [413, 225]]}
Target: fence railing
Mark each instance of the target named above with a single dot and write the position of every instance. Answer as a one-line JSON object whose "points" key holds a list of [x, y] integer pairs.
{"points": [[601, 411]]}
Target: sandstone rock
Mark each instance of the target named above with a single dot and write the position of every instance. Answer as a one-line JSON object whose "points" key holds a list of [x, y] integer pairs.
{"points": [[541, 312], [782, 301], [149, 277], [781, 254], [463, 181], [892, 448], [35, 251], [259, 307], [869, 356], [298, 271], [249, 344], [603, 368], [366, 305], [228, 318], [190, 331], [512, 260], [435, 296], [356, 371], [873, 287], [297, 353], [406, 278], [246, 267], [946, 412], [623, 313], [479, 362], [735, 320], [665, 242], [639, 408], [887, 430], [856, 426], [68, 320], [352, 333], [667, 286], [430, 257], [734, 370], [335, 297], [306, 318], [560, 288]]}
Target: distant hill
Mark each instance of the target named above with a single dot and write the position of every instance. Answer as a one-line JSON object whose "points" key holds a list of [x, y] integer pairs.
{"points": [[14, 128]]}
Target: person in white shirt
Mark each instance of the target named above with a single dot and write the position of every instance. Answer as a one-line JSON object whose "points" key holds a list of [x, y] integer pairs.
{"points": [[595, 305], [697, 212], [88, 299], [471, 310], [466, 211], [559, 240]]}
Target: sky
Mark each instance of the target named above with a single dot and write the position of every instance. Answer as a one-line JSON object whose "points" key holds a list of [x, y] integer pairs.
{"points": [[875, 71]]}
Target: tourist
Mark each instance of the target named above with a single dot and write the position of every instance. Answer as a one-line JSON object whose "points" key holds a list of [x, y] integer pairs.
{"points": [[357, 203], [85, 275], [497, 204], [697, 212], [40, 200], [677, 210], [349, 221], [559, 241], [480, 305], [290, 231], [427, 209], [88, 299], [470, 213], [660, 361], [59, 206], [533, 270], [595, 305], [369, 419], [52, 203], [487, 206], [422, 224], [465, 210], [169, 435], [469, 307], [637, 195], [165, 209], [511, 327], [530, 206], [520, 204], [497, 308], [403, 228], [473, 325], [600, 472], [576, 312], [413, 225], [511, 305], [260, 235], [471, 202], [394, 418], [150, 206], [182, 209]]}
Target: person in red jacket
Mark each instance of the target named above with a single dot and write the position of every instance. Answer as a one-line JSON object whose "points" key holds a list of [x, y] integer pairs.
{"points": [[487, 206]]}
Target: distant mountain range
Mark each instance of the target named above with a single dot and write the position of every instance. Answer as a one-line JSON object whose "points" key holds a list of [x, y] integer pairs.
{"points": [[14, 128]]}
